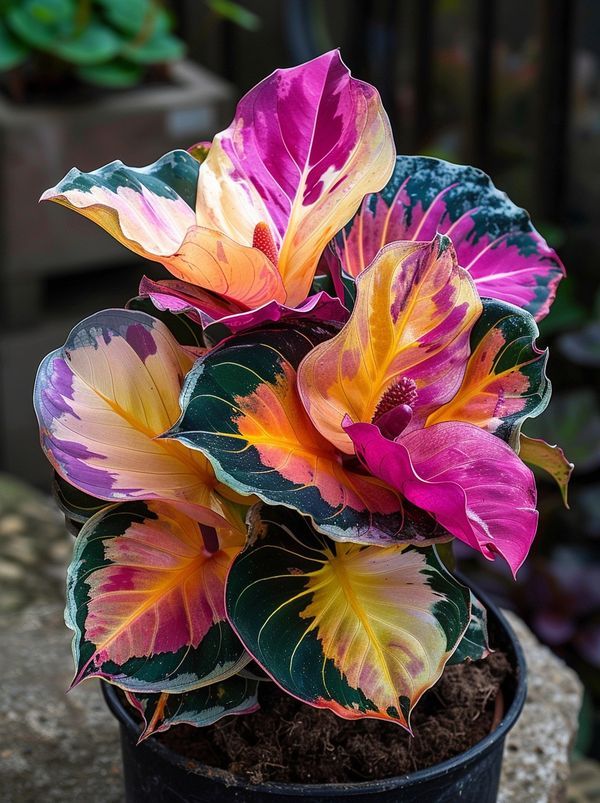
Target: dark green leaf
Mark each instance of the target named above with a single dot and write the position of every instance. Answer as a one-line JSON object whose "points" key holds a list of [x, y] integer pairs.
{"points": [[474, 645], [75, 504]]}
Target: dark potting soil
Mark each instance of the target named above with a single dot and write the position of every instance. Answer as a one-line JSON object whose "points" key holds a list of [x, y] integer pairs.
{"points": [[292, 742]]}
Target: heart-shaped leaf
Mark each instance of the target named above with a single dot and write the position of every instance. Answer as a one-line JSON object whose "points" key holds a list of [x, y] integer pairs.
{"points": [[201, 707], [145, 600], [505, 380], [413, 316], [101, 402], [305, 146], [362, 631], [242, 410], [494, 239]]}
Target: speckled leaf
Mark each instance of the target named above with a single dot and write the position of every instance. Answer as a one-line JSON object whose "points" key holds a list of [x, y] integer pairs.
{"points": [[474, 645], [145, 600], [362, 631], [201, 707], [242, 410], [505, 380], [147, 209], [494, 239], [552, 459], [150, 210]]}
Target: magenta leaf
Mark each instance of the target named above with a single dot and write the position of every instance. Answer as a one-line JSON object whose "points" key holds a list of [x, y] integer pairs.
{"points": [[470, 481]]}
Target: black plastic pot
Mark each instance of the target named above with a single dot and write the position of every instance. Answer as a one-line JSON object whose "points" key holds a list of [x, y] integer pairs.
{"points": [[155, 774]]}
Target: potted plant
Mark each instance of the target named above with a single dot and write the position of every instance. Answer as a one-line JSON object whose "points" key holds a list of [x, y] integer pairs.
{"points": [[269, 456]]}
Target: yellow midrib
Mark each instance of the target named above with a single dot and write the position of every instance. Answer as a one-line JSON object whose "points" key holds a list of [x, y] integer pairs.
{"points": [[177, 578], [158, 712], [269, 440], [173, 449], [393, 347], [468, 391], [340, 571]]}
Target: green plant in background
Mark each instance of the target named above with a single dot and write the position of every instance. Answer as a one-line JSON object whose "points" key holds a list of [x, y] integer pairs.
{"points": [[234, 12], [108, 43]]}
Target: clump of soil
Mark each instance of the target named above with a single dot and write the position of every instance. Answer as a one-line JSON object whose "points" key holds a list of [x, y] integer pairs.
{"points": [[292, 742]]}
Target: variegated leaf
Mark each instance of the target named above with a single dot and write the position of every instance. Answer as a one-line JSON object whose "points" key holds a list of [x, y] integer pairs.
{"points": [[305, 146], [494, 239], [242, 410], [474, 645], [237, 273], [150, 211], [145, 600], [101, 402], [205, 706], [147, 209], [412, 320], [505, 380], [470, 481], [362, 631]]}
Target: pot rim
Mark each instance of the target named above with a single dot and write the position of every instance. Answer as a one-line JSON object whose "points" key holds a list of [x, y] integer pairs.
{"points": [[486, 745]]}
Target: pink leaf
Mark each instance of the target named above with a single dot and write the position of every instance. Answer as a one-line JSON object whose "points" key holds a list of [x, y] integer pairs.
{"points": [[470, 481]]}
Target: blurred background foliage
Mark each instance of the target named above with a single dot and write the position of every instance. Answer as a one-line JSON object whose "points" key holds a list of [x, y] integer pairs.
{"points": [[512, 87], [106, 43]]}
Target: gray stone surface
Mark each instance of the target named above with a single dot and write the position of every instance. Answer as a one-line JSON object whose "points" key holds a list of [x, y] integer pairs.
{"points": [[536, 765], [53, 746], [63, 748]]}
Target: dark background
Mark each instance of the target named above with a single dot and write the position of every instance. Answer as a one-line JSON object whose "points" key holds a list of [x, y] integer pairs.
{"points": [[511, 86]]}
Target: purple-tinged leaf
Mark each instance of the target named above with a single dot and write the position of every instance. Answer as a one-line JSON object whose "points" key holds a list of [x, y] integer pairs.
{"points": [[494, 239]]}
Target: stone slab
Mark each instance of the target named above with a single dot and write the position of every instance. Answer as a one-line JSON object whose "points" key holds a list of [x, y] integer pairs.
{"points": [[536, 764]]}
